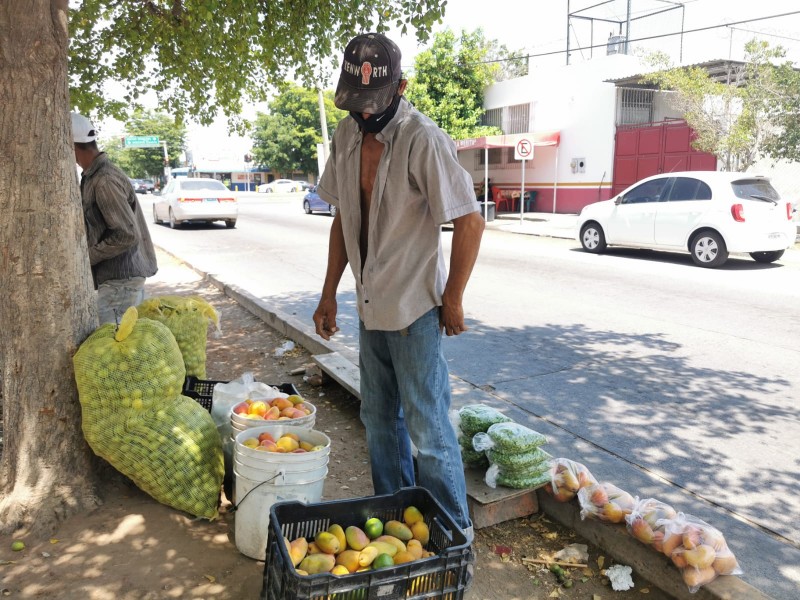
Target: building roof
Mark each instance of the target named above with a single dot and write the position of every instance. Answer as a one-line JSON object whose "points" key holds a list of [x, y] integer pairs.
{"points": [[718, 69]]}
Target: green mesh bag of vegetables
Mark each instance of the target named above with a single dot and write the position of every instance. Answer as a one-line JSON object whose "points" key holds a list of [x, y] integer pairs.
{"points": [[187, 317], [476, 418], [129, 382]]}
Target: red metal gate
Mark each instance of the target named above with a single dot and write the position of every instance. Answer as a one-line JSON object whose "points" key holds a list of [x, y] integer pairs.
{"points": [[656, 148]]}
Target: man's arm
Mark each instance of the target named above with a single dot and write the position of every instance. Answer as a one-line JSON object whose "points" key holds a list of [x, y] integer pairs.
{"points": [[120, 234], [325, 315], [467, 233]]}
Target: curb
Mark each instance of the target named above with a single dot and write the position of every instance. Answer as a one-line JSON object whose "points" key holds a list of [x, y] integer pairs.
{"points": [[613, 539]]}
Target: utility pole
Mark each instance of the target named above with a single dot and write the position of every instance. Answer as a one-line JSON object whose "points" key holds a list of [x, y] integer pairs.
{"points": [[628, 28], [323, 124]]}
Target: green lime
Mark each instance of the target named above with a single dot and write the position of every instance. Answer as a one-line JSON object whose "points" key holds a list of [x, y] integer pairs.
{"points": [[373, 528], [382, 560], [17, 546]]}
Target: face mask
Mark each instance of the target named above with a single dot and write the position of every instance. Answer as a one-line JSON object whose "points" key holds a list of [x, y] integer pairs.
{"points": [[376, 123]]}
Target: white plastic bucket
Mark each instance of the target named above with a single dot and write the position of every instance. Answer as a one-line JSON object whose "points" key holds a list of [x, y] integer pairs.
{"points": [[307, 421], [313, 437], [263, 478], [252, 512]]}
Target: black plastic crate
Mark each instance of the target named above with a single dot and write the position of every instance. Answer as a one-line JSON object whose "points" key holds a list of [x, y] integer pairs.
{"points": [[202, 390], [442, 576]]}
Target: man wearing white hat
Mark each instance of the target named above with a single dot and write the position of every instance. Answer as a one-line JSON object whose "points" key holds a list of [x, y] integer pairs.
{"points": [[121, 252]]}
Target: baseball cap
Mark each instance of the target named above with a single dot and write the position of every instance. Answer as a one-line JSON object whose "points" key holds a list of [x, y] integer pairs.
{"points": [[370, 74], [83, 130]]}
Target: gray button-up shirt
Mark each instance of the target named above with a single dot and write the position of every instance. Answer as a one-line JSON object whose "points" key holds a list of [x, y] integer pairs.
{"points": [[419, 186], [116, 231]]}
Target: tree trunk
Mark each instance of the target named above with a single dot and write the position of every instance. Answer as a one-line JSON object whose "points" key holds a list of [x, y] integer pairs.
{"points": [[47, 305]]}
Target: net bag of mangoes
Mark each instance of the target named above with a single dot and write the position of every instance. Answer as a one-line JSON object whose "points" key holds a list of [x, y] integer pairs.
{"points": [[187, 317], [129, 382]]}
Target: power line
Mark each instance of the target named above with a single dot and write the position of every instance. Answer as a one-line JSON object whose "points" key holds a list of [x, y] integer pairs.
{"points": [[775, 35], [642, 39]]}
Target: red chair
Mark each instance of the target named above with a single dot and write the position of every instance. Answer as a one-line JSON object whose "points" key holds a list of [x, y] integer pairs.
{"points": [[500, 199]]}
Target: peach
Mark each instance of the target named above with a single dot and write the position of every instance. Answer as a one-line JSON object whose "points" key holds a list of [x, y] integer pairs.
{"points": [[272, 414], [258, 408], [282, 403], [265, 436]]}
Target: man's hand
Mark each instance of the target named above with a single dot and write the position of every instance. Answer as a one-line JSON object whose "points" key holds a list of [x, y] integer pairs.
{"points": [[325, 318], [451, 318]]}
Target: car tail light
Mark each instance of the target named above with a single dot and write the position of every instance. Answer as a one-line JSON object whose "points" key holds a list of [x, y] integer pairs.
{"points": [[190, 199], [737, 211], [789, 211], [226, 199]]}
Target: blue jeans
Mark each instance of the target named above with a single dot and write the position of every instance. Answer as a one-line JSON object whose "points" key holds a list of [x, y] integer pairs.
{"points": [[405, 395], [115, 296]]}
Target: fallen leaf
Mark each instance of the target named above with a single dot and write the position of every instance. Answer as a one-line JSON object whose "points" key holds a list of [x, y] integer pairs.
{"points": [[597, 597], [7, 562], [53, 541], [588, 572], [210, 578], [600, 561], [555, 594], [550, 536], [644, 591], [502, 550]]}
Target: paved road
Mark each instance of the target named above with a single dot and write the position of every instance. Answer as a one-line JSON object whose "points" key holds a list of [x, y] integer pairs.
{"points": [[687, 378]]}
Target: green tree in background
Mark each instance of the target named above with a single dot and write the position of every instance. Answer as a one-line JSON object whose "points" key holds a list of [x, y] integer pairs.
{"points": [[449, 80], [744, 117], [148, 163], [199, 58], [285, 140]]}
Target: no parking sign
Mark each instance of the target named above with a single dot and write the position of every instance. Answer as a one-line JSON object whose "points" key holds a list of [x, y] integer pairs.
{"points": [[523, 150]]}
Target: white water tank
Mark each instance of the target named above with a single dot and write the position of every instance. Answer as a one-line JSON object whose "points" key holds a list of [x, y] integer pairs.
{"points": [[615, 44]]}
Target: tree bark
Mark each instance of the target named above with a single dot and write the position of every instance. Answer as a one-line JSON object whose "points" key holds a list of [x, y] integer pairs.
{"points": [[47, 303]]}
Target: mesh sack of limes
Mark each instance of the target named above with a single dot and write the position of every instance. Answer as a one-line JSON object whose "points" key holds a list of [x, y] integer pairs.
{"points": [[188, 318], [129, 381]]}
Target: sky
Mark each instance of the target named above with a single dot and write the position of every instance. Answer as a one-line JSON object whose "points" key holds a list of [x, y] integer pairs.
{"points": [[539, 27]]}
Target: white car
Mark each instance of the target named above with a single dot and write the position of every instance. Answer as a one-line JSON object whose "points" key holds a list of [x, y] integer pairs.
{"points": [[280, 185], [707, 213], [195, 199]]}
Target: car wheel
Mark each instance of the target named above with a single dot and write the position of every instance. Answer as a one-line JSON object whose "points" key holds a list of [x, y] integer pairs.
{"points": [[766, 257], [156, 220], [332, 210], [708, 249], [307, 207], [592, 238], [173, 223], [230, 224]]}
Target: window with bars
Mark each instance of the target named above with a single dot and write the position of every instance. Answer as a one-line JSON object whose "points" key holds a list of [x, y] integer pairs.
{"points": [[510, 119], [634, 106]]}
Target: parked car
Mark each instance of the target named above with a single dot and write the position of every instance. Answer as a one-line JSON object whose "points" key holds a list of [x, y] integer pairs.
{"points": [[195, 199], [304, 185], [312, 202], [280, 185], [707, 213], [143, 186]]}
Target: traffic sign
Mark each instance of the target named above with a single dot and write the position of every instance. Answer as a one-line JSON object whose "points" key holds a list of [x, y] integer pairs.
{"points": [[142, 141], [523, 150]]}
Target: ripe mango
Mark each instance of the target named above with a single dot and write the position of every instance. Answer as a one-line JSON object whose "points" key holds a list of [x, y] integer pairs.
{"points": [[420, 532], [327, 542], [339, 533], [313, 548], [356, 538], [701, 557], [384, 547], [297, 550], [318, 563], [403, 557], [415, 548], [412, 515], [339, 570], [367, 555], [348, 559], [398, 530], [390, 539]]}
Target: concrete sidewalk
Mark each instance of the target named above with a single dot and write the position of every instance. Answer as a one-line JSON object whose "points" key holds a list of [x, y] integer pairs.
{"points": [[536, 223]]}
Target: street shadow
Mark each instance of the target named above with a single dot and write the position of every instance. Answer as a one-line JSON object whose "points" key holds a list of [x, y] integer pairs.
{"points": [[735, 262]]}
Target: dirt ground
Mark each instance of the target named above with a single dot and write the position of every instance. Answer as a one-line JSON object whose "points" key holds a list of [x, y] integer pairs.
{"points": [[133, 548]]}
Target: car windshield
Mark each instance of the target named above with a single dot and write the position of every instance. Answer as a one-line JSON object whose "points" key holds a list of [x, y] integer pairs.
{"points": [[193, 186], [755, 188]]}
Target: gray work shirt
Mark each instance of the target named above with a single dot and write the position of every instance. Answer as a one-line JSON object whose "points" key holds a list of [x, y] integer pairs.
{"points": [[419, 185], [116, 231]]}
